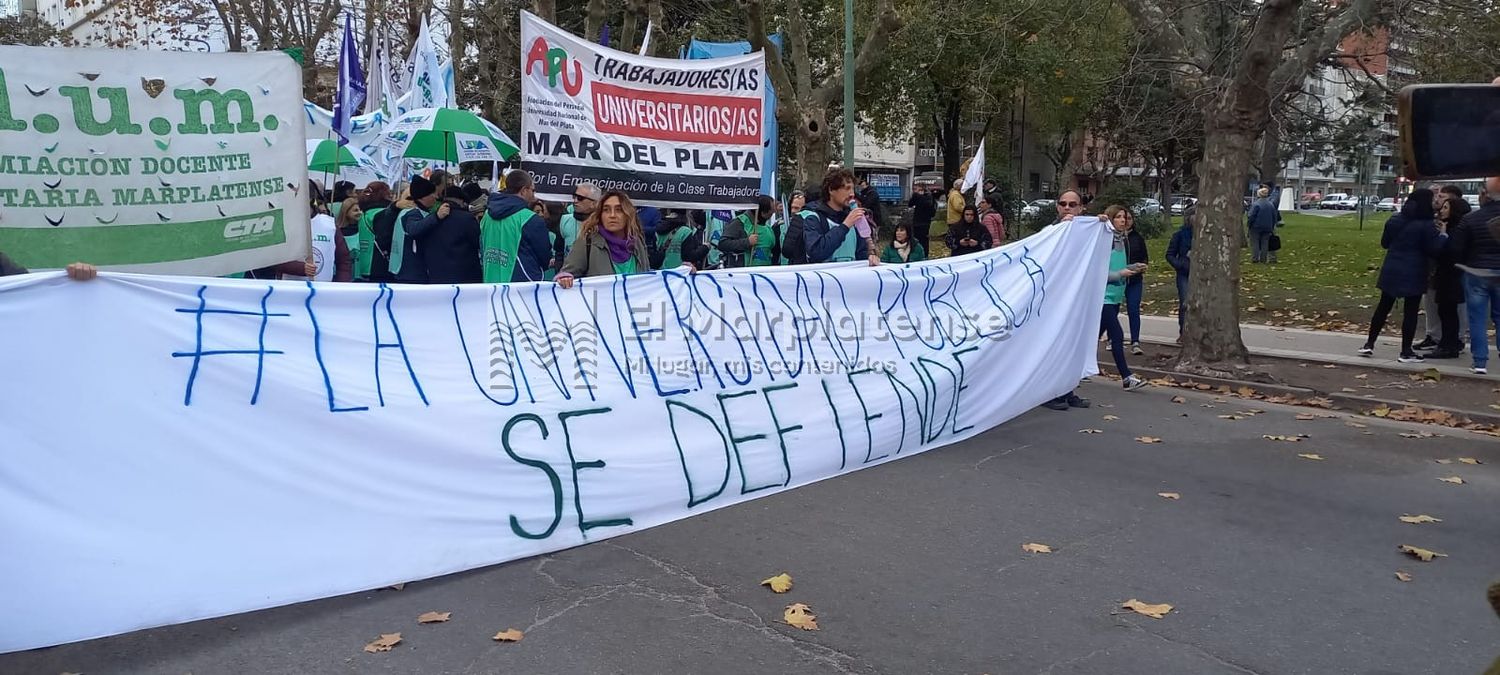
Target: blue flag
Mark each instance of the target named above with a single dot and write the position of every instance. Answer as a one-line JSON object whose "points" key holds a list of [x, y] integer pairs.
{"points": [[350, 93]]}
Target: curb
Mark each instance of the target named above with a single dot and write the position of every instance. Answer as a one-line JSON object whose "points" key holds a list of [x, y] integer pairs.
{"points": [[1341, 401]]}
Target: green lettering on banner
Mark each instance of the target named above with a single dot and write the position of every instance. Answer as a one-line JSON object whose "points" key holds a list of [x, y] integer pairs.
{"points": [[192, 111], [7, 123], [694, 500], [585, 525], [865, 411], [961, 388], [140, 243], [119, 111], [843, 446], [781, 431], [557, 494]]}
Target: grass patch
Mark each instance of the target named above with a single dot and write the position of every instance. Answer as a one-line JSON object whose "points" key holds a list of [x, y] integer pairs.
{"points": [[1325, 277]]}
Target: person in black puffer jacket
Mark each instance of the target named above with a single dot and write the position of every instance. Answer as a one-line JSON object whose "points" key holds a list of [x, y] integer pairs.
{"points": [[1447, 292], [1476, 249], [1411, 240]]}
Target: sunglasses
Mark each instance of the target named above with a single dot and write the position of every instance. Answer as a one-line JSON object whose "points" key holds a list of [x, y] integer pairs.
{"points": [[579, 198], [1068, 204]]}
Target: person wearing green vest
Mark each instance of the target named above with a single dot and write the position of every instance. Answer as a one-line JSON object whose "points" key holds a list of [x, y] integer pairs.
{"points": [[748, 240], [678, 243], [406, 257], [585, 200], [609, 242], [514, 244], [835, 230], [903, 249], [375, 199]]}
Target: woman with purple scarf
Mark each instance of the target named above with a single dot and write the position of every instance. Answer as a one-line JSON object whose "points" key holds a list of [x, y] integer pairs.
{"points": [[609, 242]]}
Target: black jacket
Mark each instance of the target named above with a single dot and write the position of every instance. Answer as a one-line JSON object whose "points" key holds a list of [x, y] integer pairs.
{"points": [[1448, 280], [447, 250], [1135, 249], [962, 230], [1472, 243], [825, 232], [693, 249], [380, 258], [869, 199], [923, 208], [1409, 247], [9, 267], [1180, 250]]}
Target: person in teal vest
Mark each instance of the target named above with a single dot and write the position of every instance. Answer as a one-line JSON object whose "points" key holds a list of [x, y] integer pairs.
{"points": [[791, 241], [677, 243], [514, 242], [406, 257], [1114, 293], [375, 198], [585, 200], [833, 227], [748, 240], [610, 242]]}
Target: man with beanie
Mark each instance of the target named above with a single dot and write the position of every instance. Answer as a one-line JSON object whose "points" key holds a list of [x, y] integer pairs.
{"points": [[449, 240], [515, 245], [406, 255]]}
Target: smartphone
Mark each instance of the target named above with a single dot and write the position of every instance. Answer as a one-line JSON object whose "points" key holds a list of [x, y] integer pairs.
{"points": [[1449, 130]]}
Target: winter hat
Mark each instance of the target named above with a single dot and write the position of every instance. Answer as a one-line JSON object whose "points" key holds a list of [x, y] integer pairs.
{"points": [[421, 188]]}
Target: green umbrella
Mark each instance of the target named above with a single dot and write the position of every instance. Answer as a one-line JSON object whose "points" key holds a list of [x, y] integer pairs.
{"points": [[328, 157], [448, 135]]}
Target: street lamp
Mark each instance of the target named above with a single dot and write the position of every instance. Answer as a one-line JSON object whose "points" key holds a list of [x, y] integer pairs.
{"points": [[849, 85]]}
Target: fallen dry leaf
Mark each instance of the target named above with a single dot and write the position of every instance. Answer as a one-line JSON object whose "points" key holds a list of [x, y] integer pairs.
{"points": [[1382, 411], [1178, 399], [1148, 439], [1419, 434], [1153, 611], [508, 635], [399, 586], [386, 642], [1362, 376], [1432, 374], [1443, 461], [434, 617], [1357, 425], [1469, 460], [1036, 548], [1169, 495], [1330, 366], [800, 616], [1288, 439], [1245, 391], [780, 583], [1453, 479], [1313, 456], [1110, 418], [1421, 553], [1204, 387], [1230, 417], [1403, 575], [1419, 519]]}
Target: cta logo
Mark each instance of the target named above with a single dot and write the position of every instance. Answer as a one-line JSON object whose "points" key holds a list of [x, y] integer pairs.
{"points": [[249, 227], [554, 63]]}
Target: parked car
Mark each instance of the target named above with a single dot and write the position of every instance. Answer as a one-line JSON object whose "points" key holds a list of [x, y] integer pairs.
{"points": [[1387, 204], [1334, 201], [1356, 203], [1309, 200], [1040, 207], [1181, 202], [1148, 207]]}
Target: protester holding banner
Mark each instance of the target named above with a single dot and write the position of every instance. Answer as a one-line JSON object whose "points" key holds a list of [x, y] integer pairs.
{"points": [[610, 242], [836, 232], [78, 271], [678, 243], [515, 244], [748, 240], [375, 199], [903, 249], [1069, 207]]}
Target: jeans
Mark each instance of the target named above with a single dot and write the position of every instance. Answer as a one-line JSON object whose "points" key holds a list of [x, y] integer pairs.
{"points": [[1135, 287], [1182, 291], [1109, 322], [1409, 309], [1482, 295], [1260, 246]]}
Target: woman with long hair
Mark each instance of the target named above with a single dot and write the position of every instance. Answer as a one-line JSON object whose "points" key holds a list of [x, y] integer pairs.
{"points": [[1448, 284], [1411, 240], [968, 235], [610, 242], [1120, 272], [903, 248]]}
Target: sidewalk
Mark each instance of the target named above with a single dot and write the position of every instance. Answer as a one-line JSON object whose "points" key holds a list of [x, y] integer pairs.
{"points": [[1313, 345]]}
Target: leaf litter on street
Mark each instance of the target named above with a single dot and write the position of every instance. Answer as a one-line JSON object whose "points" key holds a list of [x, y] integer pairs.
{"points": [[1456, 480], [1146, 608], [1169, 495], [1036, 548], [780, 583], [1421, 553], [1311, 455], [1148, 439], [799, 615], [434, 617], [508, 635], [1403, 575], [385, 643], [1419, 519]]}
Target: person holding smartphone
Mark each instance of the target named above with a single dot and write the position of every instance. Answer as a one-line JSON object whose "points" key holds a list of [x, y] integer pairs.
{"points": [[1121, 271]]}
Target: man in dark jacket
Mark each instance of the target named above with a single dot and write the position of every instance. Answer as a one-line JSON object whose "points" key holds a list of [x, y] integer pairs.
{"points": [[442, 243], [676, 242], [514, 232], [1476, 246], [1179, 256], [831, 227], [923, 210], [869, 199], [1262, 220]]}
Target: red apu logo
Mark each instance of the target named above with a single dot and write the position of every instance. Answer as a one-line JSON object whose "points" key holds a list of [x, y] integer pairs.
{"points": [[554, 63]]}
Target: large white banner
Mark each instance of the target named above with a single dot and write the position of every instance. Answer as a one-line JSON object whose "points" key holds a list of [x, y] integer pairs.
{"points": [[670, 132], [163, 162], [174, 449]]}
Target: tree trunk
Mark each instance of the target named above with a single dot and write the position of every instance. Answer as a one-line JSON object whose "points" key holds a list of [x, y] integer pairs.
{"points": [[814, 146], [1270, 153], [593, 22], [1211, 336], [630, 25], [458, 43], [546, 9], [951, 131], [657, 15]]}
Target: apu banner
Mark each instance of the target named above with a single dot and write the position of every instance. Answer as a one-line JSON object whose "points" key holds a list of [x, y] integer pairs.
{"points": [[233, 445], [670, 132], [151, 161]]}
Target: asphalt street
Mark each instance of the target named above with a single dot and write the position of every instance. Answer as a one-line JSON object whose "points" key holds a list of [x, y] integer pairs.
{"points": [[1273, 563]]}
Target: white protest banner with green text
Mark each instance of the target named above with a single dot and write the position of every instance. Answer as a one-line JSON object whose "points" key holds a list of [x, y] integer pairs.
{"points": [[235, 445], [156, 162]]}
